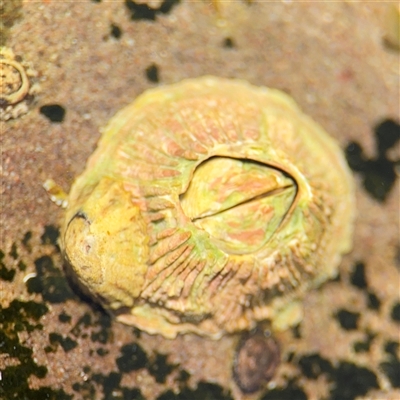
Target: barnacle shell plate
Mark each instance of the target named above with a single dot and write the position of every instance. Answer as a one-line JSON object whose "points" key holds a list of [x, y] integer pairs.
{"points": [[207, 206]]}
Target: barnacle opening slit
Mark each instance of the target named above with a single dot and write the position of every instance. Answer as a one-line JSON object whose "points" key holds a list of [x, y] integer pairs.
{"points": [[240, 203]]}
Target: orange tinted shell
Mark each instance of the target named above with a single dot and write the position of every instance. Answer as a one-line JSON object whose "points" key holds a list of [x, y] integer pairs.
{"points": [[208, 205]]}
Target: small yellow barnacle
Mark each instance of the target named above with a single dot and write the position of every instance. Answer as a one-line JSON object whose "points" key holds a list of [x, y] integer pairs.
{"points": [[207, 206]]}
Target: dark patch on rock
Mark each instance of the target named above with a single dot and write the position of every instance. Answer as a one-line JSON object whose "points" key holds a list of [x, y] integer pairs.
{"points": [[313, 365], [49, 282], [204, 391], [351, 381], [115, 31], [50, 235], [228, 43], [296, 331], [364, 346], [373, 302], [391, 369], [152, 73], [348, 320], [17, 317], [21, 265], [100, 328], [83, 323], [86, 369], [378, 173], [112, 390], [256, 360], [110, 382], [103, 323], [133, 358], [140, 11], [13, 252], [160, 368], [26, 241], [64, 318], [102, 352], [391, 347], [290, 392], [6, 274], [395, 313], [85, 389], [358, 276], [53, 112], [183, 376], [64, 341]]}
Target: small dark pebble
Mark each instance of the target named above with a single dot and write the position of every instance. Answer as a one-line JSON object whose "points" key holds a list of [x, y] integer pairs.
{"points": [[53, 112], [256, 360], [348, 320]]}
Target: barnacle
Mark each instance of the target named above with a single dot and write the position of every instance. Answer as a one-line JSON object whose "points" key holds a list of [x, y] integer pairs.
{"points": [[208, 205], [17, 85]]}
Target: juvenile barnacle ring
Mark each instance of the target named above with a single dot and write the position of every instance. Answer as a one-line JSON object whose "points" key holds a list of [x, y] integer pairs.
{"points": [[15, 82]]}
